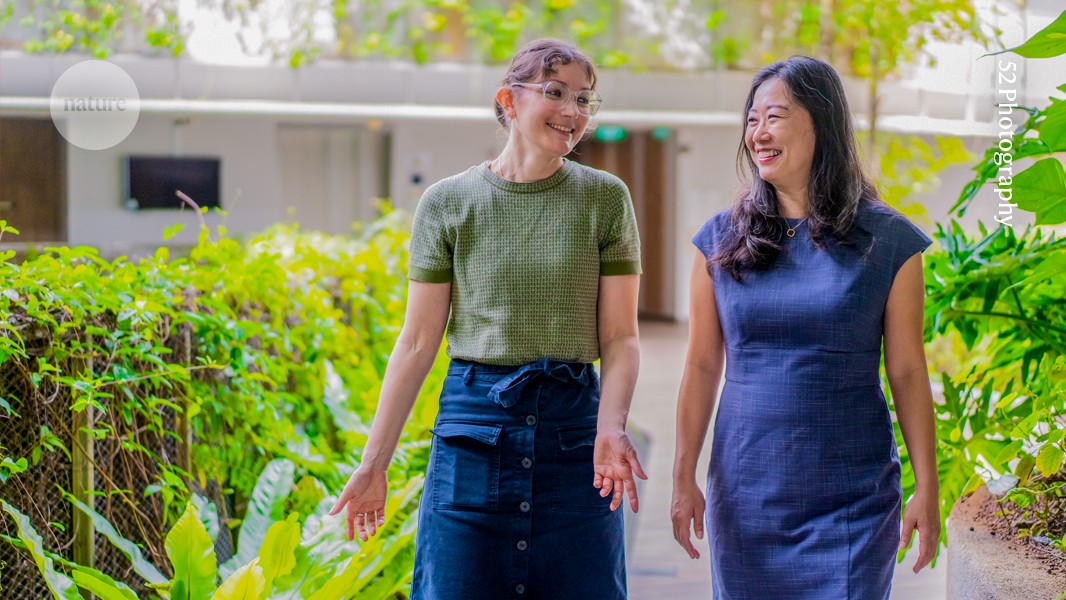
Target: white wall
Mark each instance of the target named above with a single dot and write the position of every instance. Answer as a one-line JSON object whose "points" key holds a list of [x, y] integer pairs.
{"points": [[434, 150], [249, 173], [320, 176], [706, 183]]}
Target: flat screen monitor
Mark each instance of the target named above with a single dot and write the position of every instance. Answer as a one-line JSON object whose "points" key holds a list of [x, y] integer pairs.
{"points": [[151, 181]]}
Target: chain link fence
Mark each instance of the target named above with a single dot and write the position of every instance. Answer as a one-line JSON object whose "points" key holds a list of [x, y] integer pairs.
{"points": [[116, 472], [36, 492]]}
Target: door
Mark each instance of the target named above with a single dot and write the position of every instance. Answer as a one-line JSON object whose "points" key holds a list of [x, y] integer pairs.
{"points": [[33, 179], [644, 160]]}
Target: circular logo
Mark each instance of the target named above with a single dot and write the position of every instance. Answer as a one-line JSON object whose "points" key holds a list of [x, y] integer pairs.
{"points": [[95, 104]]}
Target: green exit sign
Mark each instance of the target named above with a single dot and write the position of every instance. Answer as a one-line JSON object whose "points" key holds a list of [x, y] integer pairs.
{"points": [[610, 133]]}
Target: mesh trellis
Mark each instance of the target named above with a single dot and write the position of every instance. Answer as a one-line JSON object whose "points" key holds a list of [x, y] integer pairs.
{"points": [[142, 520], [121, 462], [34, 493]]}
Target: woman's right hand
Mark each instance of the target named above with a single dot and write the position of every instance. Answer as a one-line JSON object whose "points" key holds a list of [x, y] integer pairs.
{"points": [[686, 507], [364, 495]]}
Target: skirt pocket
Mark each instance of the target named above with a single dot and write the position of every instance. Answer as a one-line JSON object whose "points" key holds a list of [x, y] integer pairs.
{"points": [[572, 489], [465, 466]]}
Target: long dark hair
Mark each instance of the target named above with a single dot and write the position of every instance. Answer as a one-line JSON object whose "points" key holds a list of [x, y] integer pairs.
{"points": [[837, 182]]}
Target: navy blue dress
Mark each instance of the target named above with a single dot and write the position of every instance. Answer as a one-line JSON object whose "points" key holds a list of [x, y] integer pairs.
{"points": [[803, 489]]}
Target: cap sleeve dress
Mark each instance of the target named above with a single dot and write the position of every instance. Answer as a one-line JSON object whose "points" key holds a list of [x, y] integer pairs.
{"points": [[803, 489]]}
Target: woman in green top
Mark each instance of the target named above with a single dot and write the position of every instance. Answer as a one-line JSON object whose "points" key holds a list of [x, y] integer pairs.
{"points": [[533, 263]]}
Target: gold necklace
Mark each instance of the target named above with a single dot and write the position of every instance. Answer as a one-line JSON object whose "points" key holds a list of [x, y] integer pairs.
{"points": [[791, 231]]}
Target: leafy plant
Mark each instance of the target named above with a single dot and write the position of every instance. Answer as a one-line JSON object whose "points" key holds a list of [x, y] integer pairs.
{"points": [[994, 303], [989, 304], [1040, 188], [318, 564], [268, 352], [97, 26], [908, 166], [873, 38]]}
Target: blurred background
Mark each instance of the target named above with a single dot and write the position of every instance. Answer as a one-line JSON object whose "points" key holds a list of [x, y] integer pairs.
{"points": [[229, 369]]}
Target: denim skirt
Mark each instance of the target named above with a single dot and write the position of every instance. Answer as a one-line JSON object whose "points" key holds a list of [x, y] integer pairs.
{"points": [[508, 509]]}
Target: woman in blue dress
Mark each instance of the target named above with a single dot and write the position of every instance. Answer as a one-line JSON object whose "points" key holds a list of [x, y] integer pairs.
{"points": [[794, 289]]}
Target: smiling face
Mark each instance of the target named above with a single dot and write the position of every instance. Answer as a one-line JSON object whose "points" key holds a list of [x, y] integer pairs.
{"points": [[550, 128], [780, 137]]}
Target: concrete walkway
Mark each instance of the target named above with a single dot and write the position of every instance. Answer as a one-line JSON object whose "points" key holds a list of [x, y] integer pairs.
{"points": [[658, 568]]}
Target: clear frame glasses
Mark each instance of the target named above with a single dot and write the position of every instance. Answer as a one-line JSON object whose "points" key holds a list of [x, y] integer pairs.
{"points": [[555, 92]]}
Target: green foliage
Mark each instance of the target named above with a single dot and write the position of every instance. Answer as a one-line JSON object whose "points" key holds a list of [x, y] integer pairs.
{"points": [[479, 30], [998, 300], [318, 564], [193, 555], [996, 340], [877, 38], [1046, 43], [908, 166], [1040, 188], [271, 351], [246, 583], [872, 37], [265, 506], [96, 26], [61, 586], [304, 324], [101, 585], [142, 567], [1004, 396], [277, 556]]}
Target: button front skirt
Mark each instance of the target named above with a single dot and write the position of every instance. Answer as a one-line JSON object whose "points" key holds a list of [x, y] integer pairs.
{"points": [[508, 509]]}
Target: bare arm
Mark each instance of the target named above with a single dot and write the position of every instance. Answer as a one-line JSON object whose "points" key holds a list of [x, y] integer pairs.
{"points": [[704, 362], [411, 359], [616, 317], [615, 461], [695, 403], [908, 378]]}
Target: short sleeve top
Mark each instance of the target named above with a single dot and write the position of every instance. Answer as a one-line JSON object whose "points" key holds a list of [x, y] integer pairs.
{"points": [[524, 259]]}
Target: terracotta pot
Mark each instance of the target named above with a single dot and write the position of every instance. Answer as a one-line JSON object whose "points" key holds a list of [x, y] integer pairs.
{"points": [[986, 565]]}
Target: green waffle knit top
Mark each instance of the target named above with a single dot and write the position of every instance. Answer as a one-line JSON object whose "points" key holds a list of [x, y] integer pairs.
{"points": [[524, 260]]}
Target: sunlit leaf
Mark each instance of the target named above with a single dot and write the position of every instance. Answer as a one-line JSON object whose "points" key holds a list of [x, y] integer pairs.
{"points": [[1046, 43], [193, 556], [104, 527], [1049, 459], [60, 585], [1041, 189]]}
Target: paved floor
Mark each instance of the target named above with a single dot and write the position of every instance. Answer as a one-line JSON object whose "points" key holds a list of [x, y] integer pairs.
{"points": [[658, 568]]}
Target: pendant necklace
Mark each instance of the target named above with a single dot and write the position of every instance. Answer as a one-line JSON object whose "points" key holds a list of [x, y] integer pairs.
{"points": [[791, 231]]}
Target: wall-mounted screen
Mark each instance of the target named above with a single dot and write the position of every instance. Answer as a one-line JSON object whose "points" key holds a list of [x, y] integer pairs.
{"points": [[151, 181]]}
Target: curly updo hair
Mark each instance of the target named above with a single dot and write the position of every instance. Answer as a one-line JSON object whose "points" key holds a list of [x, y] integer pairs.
{"points": [[540, 58]]}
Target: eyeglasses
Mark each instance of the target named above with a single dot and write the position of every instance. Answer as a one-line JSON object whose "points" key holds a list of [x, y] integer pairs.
{"points": [[555, 92]]}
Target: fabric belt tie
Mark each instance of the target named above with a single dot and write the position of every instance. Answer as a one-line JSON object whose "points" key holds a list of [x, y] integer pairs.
{"points": [[508, 390]]}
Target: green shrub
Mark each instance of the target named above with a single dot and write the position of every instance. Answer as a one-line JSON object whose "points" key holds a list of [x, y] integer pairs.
{"points": [[268, 348], [996, 321]]}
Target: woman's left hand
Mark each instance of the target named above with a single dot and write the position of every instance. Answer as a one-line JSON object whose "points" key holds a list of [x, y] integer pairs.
{"points": [[615, 464], [922, 514]]}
